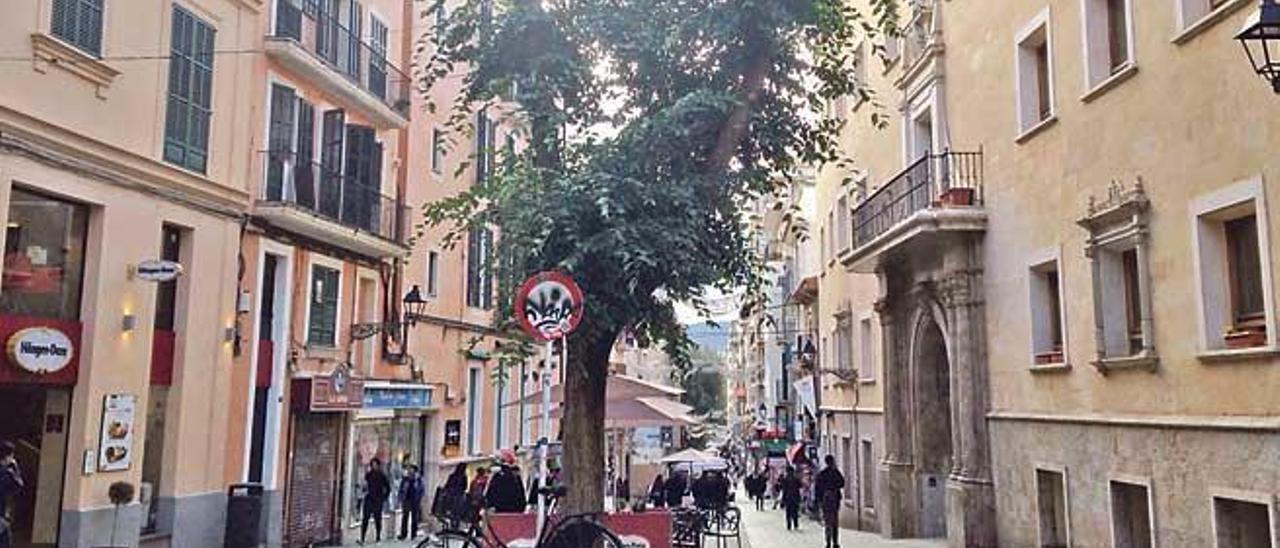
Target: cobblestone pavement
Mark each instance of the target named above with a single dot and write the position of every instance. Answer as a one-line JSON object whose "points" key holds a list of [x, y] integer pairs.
{"points": [[768, 529]]}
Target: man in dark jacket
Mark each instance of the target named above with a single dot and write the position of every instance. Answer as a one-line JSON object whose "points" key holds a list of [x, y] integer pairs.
{"points": [[756, 483], [506, 492], [411, 493], [675, 488], [376, 489], [827, 489], [790, 486], [10, 484]]}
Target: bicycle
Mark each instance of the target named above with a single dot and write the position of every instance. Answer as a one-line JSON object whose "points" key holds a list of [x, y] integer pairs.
{"points": [[573, 531]]}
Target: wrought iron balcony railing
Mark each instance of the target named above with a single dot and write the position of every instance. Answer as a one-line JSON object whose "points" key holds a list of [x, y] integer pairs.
{"points": [[330, 194], [949, 179], [332, 40]]}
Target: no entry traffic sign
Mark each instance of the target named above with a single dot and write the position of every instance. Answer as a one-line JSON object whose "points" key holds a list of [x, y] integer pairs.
{"points": [[549, 305]]}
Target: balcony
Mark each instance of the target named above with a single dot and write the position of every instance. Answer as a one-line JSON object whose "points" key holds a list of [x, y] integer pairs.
{"points": [[323, 50], [935, 195], [320, 203]]}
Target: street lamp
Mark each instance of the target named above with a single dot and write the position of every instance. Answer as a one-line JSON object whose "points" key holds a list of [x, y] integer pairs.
{"points": [[1260, 37], [414, 306]]}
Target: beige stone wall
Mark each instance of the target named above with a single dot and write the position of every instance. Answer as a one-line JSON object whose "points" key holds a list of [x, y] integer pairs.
{"points": [[1189, 122]]}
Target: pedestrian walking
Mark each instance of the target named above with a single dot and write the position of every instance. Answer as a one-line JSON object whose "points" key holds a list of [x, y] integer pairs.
{"points": [[675, 489], [790, 486], [10, 484], [829, 486], [411, 493], [376, 490], [506, 492], [658, 492], [756, 484]]}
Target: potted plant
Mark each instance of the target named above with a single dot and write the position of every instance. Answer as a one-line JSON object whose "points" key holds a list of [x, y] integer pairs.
{"points": [[120, 493], [1245, 336], [956, 197]]}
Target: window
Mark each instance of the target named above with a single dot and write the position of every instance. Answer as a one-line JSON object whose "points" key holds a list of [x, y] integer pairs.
{"points": [[186, 134], [858, 60], [1035, 74], [377, 57], [890, 49], [479, 272], [844, 342], [920, 134], [1131, 515], [1051, 501], [499, 416], [822, 237], [868, 475], [843, 230], [1192, 12], [831, 238], [1233, 263], [1117, 250], [43, 256], [167, 292], [433, 273], [1241, 523], [474, 395], [1108, 39], [322, 319], [866, 356], [362, 190], [437, 151], [1245, 269], [1046, 313], [291, 175], [79, 23], [486, 134]]}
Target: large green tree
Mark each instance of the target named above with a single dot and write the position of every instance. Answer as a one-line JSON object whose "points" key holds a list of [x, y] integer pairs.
{"points": [[651, 127]]}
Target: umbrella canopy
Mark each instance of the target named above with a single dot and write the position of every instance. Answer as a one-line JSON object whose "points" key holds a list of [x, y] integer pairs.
{"points": [[642, 412], [687, 455], [619, 387]]}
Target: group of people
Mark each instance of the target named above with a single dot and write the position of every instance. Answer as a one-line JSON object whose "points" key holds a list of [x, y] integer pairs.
{"points": [[827, 487], [709, 490], [376, 492]]}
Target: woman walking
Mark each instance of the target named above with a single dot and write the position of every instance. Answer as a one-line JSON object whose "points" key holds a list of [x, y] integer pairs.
{"points": [[376, 490], [790, 487]]}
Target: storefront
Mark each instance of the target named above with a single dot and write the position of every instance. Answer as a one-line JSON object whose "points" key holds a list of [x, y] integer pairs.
{"points": [[40, 326], [321, 406], [393, 427]]}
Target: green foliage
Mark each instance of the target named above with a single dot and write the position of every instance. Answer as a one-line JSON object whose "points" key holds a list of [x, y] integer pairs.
{"points": [[711, 105]]}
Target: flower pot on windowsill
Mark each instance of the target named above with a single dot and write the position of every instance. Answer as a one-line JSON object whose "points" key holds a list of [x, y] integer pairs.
{"points": [[956, 197], [1245, 337], [1045, 358]]}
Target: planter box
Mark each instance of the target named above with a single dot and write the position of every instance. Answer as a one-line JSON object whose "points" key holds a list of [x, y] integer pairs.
{"points": [[1045, 358], [1246, 338], [956, 197]]}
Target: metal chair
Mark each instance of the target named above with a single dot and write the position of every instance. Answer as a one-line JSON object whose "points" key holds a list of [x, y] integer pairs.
{"points": [[722, 524]]}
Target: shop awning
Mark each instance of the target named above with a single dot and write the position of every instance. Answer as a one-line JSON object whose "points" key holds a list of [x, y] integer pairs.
{"points": [[619, 387], [641, 413], [806, 292]]}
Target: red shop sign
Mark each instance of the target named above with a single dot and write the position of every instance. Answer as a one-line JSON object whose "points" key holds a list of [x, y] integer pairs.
{"points": [[12, 372]]}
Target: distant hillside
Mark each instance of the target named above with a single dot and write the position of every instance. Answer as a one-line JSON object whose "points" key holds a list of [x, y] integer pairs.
{"points": [[715, 339]]}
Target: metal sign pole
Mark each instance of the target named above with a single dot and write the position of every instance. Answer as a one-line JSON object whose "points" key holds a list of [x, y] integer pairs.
{"points": [[544, 441]]}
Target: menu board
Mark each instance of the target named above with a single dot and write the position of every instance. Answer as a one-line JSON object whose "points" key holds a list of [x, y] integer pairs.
{"points": [[115, 446]]}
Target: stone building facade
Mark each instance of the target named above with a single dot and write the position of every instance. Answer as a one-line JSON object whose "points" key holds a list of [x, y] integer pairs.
{"points": [[1064, 234]]}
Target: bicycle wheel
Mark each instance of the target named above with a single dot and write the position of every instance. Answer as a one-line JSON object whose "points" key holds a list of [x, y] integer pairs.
{"points": [[581, 531], [450, 539]]}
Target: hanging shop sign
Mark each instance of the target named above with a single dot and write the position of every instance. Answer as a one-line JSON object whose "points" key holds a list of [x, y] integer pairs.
{"points": [[157, 270], [549, 305], [337, 391], [40, 350], [115, 446]]}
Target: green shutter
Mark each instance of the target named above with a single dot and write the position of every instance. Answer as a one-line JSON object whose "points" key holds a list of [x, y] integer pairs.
{"points": [[79, 23], [186, 140]]}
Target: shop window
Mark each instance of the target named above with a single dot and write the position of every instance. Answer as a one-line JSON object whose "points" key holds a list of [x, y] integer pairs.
{"points": [[1051, 502], [1035, 74], [44, 256], [1046, 314], [1117, 249], [1242, 523], [322, 318], [1131, 515], [1233, 261], [1108, 36]]}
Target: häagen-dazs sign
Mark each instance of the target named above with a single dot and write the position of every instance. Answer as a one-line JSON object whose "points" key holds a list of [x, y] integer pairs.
{"points": [[40, 349]]}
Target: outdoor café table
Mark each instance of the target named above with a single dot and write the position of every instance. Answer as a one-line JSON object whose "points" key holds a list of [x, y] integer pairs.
{"points": [[651, 529]]}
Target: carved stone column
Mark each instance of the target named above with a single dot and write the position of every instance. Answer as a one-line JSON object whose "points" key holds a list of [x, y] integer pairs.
{"points": [[970, 494], [898, 504]]}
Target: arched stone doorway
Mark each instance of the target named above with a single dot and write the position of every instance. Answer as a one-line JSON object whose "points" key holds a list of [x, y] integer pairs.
{"points": [[931, 414]]}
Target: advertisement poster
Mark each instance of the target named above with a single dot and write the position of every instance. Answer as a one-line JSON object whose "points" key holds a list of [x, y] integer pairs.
{"points": [[115, 448]]}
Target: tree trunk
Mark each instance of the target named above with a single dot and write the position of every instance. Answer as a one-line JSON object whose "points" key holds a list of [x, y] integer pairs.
{"points": [[582, 427]]}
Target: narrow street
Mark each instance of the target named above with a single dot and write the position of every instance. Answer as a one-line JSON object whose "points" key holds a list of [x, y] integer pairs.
{"points": [[767, 529]]}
